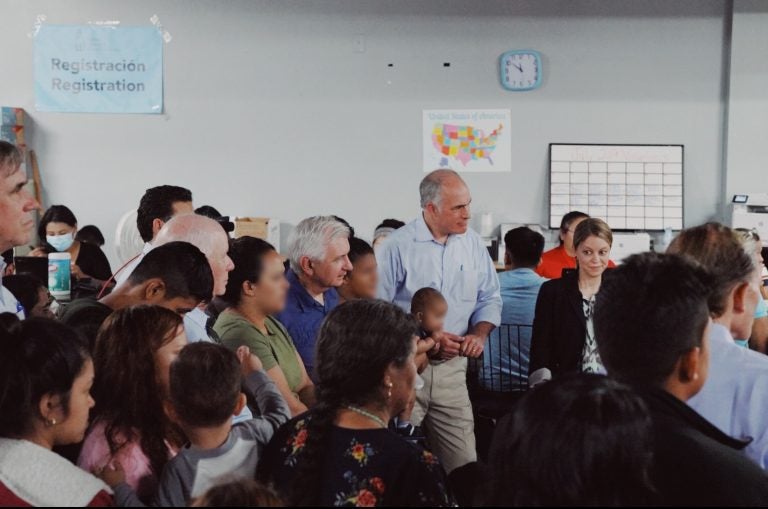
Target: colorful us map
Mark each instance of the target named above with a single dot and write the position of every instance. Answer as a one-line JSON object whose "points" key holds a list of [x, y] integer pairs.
{"points": [[464, 143]]}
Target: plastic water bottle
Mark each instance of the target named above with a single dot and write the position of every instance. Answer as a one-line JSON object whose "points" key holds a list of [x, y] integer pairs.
{"points": [[59, 275], [666, 240]]}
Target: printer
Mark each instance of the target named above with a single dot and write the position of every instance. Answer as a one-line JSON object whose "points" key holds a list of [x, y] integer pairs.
{"points": [[750, 211]]}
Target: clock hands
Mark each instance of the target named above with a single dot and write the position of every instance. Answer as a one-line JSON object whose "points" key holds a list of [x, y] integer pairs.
{"points": [[528, 65]]}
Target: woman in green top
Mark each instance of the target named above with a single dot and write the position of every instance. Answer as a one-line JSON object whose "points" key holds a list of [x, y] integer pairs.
{"points": [[257, 289]]}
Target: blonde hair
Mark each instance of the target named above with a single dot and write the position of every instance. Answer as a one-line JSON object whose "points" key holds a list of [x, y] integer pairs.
{"points": [[592, 227]]}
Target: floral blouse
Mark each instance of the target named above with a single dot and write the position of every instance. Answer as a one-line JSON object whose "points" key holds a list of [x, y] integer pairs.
{"points": [[363, 468], [590, 356]]}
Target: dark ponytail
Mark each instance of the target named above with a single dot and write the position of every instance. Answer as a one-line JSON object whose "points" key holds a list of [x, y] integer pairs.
{"points": [[356, 344], [37, 357]]}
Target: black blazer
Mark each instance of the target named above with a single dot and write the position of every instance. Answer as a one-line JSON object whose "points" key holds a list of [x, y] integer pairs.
{"points": [[696, 464], [559, 327]]}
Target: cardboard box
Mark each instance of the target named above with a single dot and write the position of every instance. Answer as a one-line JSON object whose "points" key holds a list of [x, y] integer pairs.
{"points": [[265, 228], [12, 134], [11, 116]]}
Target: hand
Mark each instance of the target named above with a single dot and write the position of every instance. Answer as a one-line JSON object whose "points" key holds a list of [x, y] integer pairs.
{"points": [[39, 252], [249, 362], [450, 344], [112, 474], [76, 272], [473, 346], [423, 346]]}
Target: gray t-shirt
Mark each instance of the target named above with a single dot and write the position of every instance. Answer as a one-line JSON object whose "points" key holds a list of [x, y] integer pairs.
{"points": [[193, 471]]}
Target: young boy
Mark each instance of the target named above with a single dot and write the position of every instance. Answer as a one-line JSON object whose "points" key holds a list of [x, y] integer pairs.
{"points": [[205, 384], [428, 307]]}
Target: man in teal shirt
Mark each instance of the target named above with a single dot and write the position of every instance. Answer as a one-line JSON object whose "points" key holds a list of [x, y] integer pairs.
{"points": [[505, 363]]}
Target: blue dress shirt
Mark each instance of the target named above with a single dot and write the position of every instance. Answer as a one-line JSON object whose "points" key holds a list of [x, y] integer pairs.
{"points": [[8, 301], [461, 269], [302, 317], [735, 393]]}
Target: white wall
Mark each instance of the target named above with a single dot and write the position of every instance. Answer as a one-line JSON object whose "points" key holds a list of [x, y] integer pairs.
{"points": [[269, 111]]}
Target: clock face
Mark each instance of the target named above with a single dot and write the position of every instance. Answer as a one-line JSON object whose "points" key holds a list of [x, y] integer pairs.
{"points": [[521, 70]]}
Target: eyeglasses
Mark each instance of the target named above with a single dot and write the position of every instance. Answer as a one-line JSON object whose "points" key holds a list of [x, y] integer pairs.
{"points": [[749, 234]]}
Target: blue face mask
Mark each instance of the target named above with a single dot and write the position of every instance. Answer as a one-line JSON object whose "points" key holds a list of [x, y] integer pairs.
{"points": [[742, 342], [61, 242]]}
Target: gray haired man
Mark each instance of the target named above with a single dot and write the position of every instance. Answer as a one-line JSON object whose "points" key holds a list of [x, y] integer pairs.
{"points": [[16, 209], [318, 250], [440, 251]]}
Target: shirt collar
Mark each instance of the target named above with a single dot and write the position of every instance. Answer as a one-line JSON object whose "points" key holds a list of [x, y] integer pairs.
{"points": [[720, 334], [422, 233], [271, 327], [304, 299]]}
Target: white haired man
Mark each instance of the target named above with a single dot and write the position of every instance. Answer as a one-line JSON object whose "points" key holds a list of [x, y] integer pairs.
{"points": [[438, 250], [210, 238], [318, 250]]}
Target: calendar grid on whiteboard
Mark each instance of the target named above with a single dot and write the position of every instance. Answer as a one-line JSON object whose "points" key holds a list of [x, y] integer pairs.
{"points": [[631, 187]]}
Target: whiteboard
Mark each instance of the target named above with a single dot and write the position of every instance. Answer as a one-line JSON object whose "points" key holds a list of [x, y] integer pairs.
{"points": [[630, 187]]}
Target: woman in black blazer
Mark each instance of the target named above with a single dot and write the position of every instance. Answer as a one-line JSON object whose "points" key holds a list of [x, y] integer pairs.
{"points": [[563, 339]]}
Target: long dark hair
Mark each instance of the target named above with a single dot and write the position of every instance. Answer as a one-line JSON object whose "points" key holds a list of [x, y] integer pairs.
{"points": [[37, 357], [129, 399], [577, 440], [358, 248], [356, 344]]}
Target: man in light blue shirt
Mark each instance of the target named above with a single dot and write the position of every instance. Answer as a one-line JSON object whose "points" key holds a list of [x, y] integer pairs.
{"points": [[16, 207], [438, 250], [210, 238], [735, 393], [505, 363], [8, 301]]}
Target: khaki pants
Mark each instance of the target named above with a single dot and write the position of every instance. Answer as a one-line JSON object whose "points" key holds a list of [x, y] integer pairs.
{"points": [[444, 411]]}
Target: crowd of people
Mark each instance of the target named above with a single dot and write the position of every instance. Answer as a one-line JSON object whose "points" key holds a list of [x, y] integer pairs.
{"points": [[211, 371]]}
